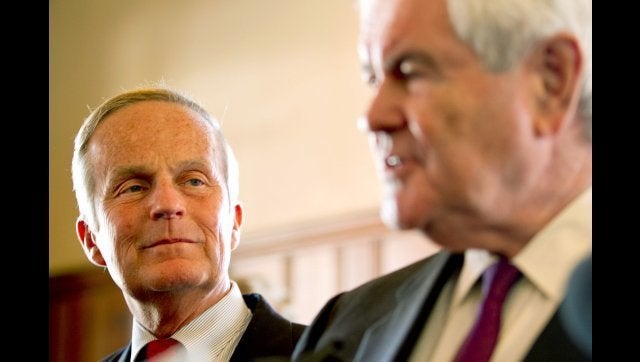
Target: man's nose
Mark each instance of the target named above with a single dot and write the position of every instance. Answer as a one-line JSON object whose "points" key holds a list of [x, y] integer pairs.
{"points": [[384, 112], [167, 202]]}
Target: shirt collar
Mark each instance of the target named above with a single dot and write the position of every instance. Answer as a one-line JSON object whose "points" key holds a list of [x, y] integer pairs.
{"points": [[548, 260], [204, 333]]}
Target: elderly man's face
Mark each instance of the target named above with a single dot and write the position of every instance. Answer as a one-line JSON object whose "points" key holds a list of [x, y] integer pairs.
{"points": [[164, 220], [453, 142]]}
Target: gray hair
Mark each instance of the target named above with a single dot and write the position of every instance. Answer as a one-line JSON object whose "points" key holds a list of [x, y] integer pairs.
{"points": [[501, 32], [82, 169]]}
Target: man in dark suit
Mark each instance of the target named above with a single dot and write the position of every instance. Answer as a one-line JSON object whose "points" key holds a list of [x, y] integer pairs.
{"points": [[480, 126], [157, 190]]}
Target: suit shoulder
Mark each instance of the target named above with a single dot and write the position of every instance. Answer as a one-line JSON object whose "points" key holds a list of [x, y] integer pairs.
{"points": [[387, 281]]}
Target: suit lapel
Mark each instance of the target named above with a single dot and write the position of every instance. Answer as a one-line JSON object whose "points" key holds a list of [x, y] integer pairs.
{"points": [[393, 335], [268, 333], [126, 355]]}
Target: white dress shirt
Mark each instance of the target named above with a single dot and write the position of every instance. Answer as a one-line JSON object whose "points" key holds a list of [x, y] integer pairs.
{"points": [[212, 336]]}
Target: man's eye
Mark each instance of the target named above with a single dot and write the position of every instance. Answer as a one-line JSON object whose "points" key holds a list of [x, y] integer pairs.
{"points": [[407, 69], [195, 182], [132, 189], [417, 68]]}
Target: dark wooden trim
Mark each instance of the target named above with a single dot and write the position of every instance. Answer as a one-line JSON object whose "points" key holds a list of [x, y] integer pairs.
{"points": [[90, 278]]}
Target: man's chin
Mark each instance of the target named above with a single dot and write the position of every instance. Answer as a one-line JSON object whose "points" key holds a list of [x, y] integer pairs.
{"points": [[394, 218], [173, 276]]}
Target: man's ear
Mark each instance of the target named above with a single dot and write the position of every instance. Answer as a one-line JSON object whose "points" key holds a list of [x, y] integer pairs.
{"points": [[237, 223], [558, 63], [85, 236]]}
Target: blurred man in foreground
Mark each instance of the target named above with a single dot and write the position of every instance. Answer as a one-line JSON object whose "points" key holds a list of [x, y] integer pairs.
{"points": [[480, 126]]}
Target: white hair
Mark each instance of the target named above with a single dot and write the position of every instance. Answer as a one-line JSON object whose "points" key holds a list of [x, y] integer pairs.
{"points": [[501, 32]]}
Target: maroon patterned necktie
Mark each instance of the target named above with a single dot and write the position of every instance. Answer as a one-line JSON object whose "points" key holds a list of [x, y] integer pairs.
{"points": [[496, 282], [156, 348]]}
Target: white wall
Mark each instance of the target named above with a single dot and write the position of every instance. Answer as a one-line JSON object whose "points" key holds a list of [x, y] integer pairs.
{"points": [[282, 75]]}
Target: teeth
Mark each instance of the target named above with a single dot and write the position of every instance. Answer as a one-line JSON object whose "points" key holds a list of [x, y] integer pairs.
{"points": [[393, 161]]}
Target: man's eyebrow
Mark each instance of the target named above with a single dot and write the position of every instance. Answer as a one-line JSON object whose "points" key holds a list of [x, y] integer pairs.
{"points": [[124, 171], [120, 172], [196, 164]]}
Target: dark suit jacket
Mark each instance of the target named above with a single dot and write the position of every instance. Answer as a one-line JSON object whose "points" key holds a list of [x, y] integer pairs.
{"points": [[269, 336], [382, 319]]}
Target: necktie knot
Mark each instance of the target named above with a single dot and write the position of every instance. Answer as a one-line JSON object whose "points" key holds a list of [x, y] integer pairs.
{"points": [[156, 349], [497, 280]]}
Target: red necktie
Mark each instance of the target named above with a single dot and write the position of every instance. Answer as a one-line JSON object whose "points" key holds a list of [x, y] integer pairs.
{"points": [[480, 342], [156, 348]]}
